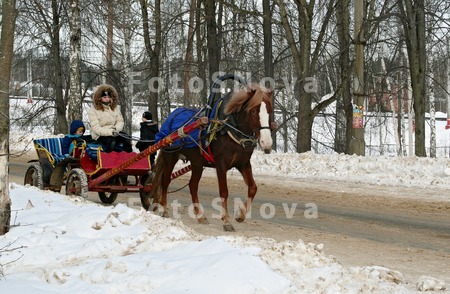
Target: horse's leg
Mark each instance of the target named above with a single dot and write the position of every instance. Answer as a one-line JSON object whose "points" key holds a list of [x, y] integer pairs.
{"points": [[223, 193], [169, 163], [197, 171], [247, 174]]}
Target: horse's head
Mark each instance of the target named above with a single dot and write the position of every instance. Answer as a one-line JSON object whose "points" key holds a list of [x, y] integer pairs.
{"points": [[255, 105]]}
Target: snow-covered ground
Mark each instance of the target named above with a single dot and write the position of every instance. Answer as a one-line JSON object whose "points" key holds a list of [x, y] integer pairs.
{"points": [[66, 245], [408, 171]]}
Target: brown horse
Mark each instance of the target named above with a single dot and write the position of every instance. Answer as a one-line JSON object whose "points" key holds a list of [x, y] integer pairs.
{"points": [[241, 122]]}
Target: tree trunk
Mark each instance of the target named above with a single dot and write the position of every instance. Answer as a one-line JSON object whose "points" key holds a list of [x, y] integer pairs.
{"points": [[109, 43], [61, 125], [413, 19], [432, 110], [344, 111], [75, 98], [189, 55], [392, 106], [401, 99], [305, 121], [357, 143], [268, 58], [153, 54], [212, 39], [6, 56], [201, 53], [304, 131], [305, 63], [126, 105]]}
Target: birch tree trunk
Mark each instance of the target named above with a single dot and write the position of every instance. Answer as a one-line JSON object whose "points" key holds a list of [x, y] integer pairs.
{"points": [[75, 99], [380, 129], [401, 100], [401, 113], [432, 109], [6, 56], [411, 122]]}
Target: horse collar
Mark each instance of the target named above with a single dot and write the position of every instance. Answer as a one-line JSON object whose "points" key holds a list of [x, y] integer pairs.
{"points": [[229, 127]]}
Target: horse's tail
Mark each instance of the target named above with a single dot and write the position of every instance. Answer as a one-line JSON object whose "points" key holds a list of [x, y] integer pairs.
{"points": [[157, 179]]}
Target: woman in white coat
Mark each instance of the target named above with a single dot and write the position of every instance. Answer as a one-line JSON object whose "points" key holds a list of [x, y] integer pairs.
{"points": [[106, 120]]}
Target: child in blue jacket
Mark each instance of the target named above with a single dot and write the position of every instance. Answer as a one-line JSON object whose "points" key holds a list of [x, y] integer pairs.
{"points": [[77, 130]]}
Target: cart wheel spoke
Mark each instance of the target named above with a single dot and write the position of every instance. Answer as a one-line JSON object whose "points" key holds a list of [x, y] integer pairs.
{"points": [[77, 183]]}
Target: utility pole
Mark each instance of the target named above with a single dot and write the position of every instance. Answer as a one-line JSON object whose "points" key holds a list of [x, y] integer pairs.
{"points": [[357, 144]]}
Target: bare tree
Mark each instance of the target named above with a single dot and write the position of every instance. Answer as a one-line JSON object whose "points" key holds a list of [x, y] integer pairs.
{"points": [[268, 54], [213, 37], [305, 61], [344, 108], [61, 125], [357, 142], [153, 52], [189, 53], [200, 51], [126, 24], [75, 98], [6, 57], [109, 42], [412, 16], [432, 108]]}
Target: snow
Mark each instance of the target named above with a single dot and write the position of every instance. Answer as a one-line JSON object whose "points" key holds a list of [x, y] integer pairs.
{"points": [[410, 171], [61, 244]]}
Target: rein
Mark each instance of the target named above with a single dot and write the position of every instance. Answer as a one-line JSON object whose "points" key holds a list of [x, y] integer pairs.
{"points": [[246, 141]]}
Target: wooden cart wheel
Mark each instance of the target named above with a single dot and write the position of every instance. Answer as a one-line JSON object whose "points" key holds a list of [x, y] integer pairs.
{"points": [[34, 176], [77, 183], [146, 179], [108, 197]]}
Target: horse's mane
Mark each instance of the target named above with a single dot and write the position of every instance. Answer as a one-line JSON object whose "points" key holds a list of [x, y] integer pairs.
{"points": [[249, 98]]}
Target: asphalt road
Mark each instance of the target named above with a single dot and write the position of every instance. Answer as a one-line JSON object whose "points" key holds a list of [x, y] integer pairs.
{"points": [[359, 224]]}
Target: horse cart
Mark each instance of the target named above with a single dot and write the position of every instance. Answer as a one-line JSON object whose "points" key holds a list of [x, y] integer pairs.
{"points": [[96, 171]]}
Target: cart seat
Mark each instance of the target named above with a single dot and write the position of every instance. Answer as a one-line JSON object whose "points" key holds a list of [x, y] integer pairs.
{"points": [[51, 147]]}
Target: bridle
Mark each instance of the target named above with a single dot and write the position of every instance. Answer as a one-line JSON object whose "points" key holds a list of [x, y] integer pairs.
{"points": [[245, 140]]}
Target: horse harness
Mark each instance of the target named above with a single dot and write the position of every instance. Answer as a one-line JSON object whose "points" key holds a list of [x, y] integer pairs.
{"points": [[220, 123]]}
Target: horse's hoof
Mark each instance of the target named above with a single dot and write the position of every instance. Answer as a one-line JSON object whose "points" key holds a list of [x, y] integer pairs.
{"points": [[240, 219], [240, 216], [165, 214], [145, 203], [228, 228], [203, 221]]}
